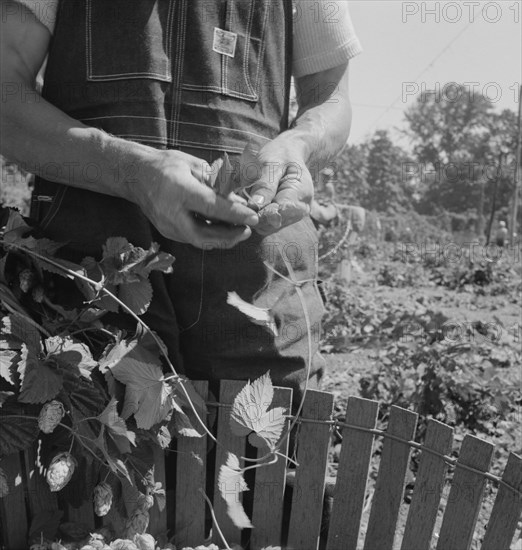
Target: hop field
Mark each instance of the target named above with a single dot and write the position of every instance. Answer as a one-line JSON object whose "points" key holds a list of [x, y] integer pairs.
{"points": [[440, 338]]}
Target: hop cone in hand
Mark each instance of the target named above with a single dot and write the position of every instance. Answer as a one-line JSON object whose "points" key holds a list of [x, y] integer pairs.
{"points": [[50, 416], [102, 499], [60, 471]]}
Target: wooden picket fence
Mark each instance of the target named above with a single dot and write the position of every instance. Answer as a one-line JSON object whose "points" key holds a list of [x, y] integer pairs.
{"points": [[186, 513]]}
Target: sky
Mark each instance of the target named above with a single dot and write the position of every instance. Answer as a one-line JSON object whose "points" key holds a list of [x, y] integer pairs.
{"points": [[411, 46]]}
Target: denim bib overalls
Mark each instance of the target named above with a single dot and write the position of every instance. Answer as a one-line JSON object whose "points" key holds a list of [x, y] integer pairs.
{"points": [[148, 71]]}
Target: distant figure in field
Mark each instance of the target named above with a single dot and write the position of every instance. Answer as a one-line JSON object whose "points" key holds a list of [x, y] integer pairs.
{"points": [[501, 235]]}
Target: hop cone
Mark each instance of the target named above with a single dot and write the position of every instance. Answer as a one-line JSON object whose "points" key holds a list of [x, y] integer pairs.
{"points": [[4, 488], [102, 499], [123, 544], [145, 542], [145, 502], [27, 279], [137, 524], [60, 471], [38, 294], [50, 416]]}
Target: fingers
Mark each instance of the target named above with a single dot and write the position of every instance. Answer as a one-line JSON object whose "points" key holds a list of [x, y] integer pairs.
{"points": [[264, 189], [205, 201], [207, 236], [293, 197], [290, 204]]}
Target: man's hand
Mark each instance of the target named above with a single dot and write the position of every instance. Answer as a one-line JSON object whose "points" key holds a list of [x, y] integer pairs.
{"points": [[173, 189], [284, 180], [319, 133], [170, 185]]}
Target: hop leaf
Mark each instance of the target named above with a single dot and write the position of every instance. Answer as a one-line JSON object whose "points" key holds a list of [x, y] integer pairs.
{"points": [[70, 354], [41, 383], [223, 183], [124, 263], [250, 414], [8, 357], [258, 315], [226, 179], [184, 419], [60, 471], [147, 394], [137, 295], [116, 427], [4, 487], [231, 483], [50, 416]]}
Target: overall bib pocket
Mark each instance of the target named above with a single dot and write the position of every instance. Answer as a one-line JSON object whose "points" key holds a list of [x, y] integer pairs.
{"points": [[129, 40], [229, 44]]}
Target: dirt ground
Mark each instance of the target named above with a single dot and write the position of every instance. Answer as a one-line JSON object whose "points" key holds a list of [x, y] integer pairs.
{"points": [[344, 370]]}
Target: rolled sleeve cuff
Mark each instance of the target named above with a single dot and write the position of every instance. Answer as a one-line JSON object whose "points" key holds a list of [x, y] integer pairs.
{"points": [[327, 60], [43, 11]]}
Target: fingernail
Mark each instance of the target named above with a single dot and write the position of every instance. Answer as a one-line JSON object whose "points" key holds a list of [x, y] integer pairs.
{"points": [[258, 199], [252, 220]]}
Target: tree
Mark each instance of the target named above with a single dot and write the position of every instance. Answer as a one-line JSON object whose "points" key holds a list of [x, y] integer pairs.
{"points": [[389, 183], [372, 175], [351, 173], [457, 159]]}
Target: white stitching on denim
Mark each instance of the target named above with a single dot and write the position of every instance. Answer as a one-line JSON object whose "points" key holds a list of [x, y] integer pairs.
{"points": [[225, 60], [248, 37], [165, 77], [180, 122], [129, 76], [262, 48], [197, 88], [180, 57], [206, 146], [218, 90], [124, 116], [154, 139], [88, 37], [170, 25], [225, 128]]}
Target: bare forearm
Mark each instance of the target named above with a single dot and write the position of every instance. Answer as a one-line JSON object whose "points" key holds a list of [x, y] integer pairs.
{"points": [[322, 132], [324, 118], [45, 141]]}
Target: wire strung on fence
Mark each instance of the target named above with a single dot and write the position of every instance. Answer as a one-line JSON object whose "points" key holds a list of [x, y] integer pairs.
{"points": [[451, 461]]}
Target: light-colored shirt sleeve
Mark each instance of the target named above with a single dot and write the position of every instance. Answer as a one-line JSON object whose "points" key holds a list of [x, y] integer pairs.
{"points": [[44, 11], [324, 36]]}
